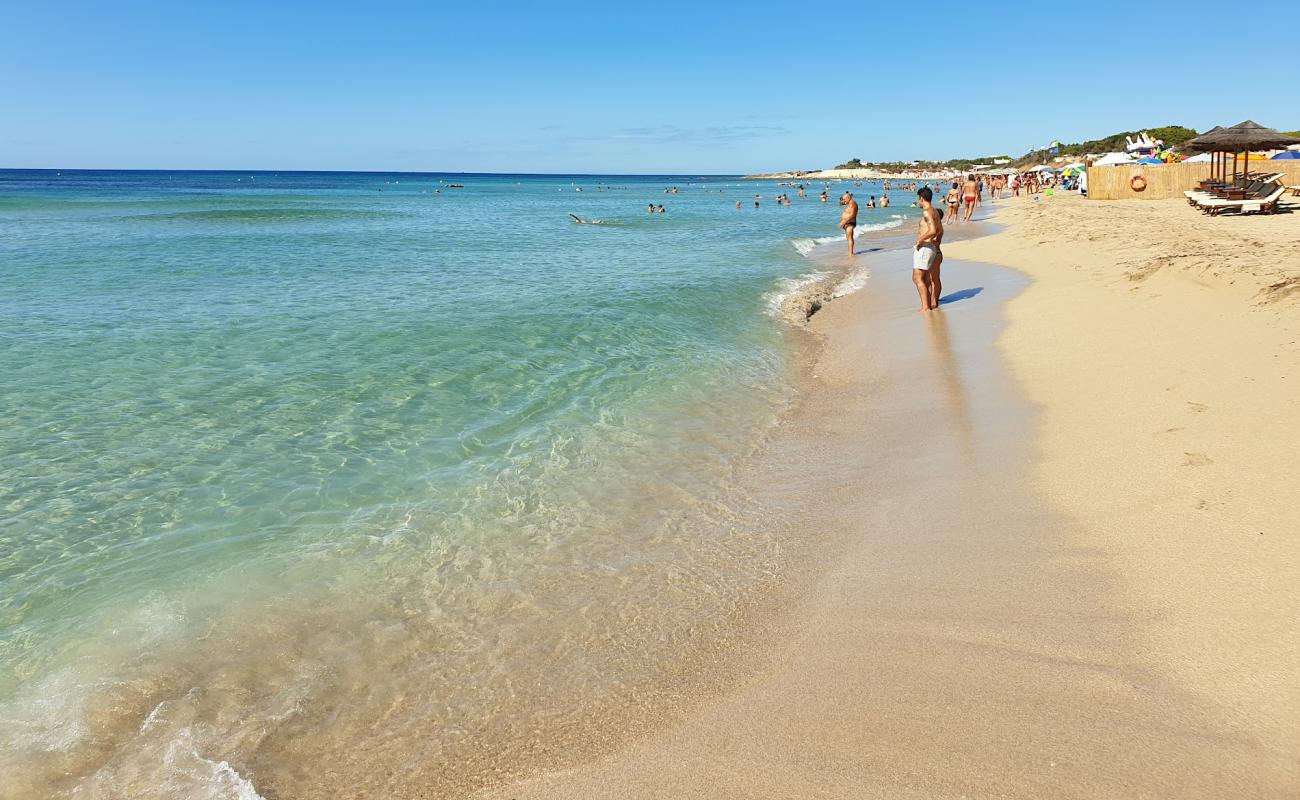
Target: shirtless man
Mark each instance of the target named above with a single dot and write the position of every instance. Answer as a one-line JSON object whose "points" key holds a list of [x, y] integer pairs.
{"points": [[849, 219], [970, 191], [925, 257]]}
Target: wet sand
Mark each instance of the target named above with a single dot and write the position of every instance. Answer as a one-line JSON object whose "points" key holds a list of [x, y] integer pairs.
{"points": [[964, 635]]}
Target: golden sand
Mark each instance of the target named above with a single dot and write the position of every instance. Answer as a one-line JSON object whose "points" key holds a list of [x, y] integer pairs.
{"points": [[1068, 561]]}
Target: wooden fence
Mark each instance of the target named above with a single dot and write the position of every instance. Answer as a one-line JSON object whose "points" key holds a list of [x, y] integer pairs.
{"points": [[1169, 180]]}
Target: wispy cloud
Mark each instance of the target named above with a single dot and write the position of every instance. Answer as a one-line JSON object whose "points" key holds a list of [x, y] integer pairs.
{"points": [[711, 135]]}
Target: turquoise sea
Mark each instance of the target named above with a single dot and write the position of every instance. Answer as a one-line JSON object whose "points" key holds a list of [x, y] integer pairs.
{"points": [[293, 462]]}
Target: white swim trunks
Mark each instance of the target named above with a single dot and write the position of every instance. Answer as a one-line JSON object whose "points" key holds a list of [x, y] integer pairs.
{"points": [[923, 258]]}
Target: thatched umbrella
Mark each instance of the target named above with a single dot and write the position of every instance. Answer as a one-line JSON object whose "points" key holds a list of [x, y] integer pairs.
{"points": [[1196, 143], [1244, 136]]}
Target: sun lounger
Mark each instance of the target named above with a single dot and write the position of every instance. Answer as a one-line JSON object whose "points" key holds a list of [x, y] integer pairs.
{"points": [[1252, 191], [1263, 205]]}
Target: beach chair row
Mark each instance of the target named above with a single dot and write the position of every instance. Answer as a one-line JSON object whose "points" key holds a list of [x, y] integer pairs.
{"points": [[1261, 194]]}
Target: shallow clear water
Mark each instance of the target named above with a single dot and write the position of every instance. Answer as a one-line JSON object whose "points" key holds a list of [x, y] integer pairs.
{"points": [[269, 439]]}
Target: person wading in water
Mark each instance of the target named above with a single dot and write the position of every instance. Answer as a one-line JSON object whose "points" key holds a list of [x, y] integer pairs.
{"points": [[849, 219]]}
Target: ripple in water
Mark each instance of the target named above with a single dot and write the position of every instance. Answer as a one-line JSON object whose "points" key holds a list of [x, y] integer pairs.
{"points": [[308, 484]]}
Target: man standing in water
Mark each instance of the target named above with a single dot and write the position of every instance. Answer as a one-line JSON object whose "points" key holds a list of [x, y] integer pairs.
{"points": [[849, 219], [925, 257]]}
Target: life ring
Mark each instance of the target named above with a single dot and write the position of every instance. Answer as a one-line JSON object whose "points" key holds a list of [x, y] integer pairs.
{"points": [[1137, 183]]}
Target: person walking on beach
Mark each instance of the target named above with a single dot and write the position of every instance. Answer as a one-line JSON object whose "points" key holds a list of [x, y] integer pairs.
{"points": [[926, 252], [849, 219], [970, 191], [954, 198]]}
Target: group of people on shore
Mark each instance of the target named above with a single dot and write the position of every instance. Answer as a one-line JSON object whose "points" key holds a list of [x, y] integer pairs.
{"points": [[1035, 182], [962, 198], [927, 255]]}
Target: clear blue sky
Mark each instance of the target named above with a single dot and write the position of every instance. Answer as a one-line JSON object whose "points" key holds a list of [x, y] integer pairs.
{"points": [[614, 86]]}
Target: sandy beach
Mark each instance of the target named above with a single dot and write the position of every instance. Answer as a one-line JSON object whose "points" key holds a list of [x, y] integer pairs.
{"points": [[472, 401], [1162, 348], [1063, 559]]}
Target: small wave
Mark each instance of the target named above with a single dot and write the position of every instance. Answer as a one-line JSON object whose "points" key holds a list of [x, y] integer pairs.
{"points": [[895, 221], [789, 297], [191, 775], [805, 246], [850, 283]]}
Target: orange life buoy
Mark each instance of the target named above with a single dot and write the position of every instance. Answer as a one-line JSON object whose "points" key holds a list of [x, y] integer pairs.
{"points": [[1137, 183]]}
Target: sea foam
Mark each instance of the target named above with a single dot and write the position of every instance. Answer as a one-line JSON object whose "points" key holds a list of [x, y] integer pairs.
{"points": [[805, 246]]}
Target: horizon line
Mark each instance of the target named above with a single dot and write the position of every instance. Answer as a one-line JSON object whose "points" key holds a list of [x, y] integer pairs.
{"points": [[376, 171]]}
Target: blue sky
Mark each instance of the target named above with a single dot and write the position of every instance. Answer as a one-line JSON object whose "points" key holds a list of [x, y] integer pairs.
{"points": [[607, 87]]}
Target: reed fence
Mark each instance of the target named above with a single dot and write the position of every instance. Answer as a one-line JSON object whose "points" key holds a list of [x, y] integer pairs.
{"points": [[1169, 180]]}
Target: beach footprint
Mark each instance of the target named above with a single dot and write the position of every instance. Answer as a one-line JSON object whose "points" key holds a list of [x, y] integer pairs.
{"points": [[1196, 460], [1197, 407]]}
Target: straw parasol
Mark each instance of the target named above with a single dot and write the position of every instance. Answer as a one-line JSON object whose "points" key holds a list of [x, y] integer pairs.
{"points": [[1244, 136], [1248, 135], [1215, 163]]}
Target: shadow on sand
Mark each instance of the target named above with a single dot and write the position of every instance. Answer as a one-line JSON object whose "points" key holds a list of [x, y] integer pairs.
{"points": [[964, 294]]}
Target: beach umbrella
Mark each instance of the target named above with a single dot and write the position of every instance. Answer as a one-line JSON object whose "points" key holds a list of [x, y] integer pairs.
{"points": [[1194, 143], [1286, 154], [1148, 161], [1248, 135], [1244, 136]]}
